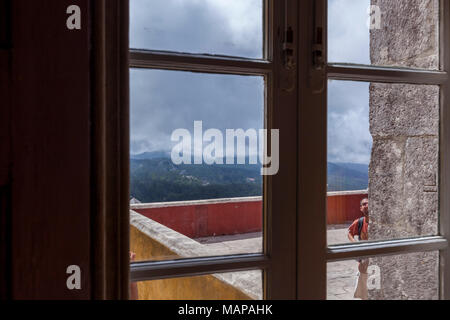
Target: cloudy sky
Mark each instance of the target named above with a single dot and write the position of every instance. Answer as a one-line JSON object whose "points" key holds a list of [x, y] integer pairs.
{"points": [[162, 101]]}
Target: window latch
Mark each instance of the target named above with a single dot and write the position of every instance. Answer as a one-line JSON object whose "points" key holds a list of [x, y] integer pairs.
{"points": [[318, 62], [317, 50], [288, 49]]}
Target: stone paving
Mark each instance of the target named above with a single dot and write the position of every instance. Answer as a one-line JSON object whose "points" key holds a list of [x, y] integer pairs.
{"points": [[341, 276]]}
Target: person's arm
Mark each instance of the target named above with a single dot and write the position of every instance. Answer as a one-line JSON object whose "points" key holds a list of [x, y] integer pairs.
{"points": [[363, 266], [352, 231], [133, 285], [350, 236], [134, 291]]}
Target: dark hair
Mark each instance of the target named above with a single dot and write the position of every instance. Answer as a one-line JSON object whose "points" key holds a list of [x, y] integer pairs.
{"points": [[360, 203]]}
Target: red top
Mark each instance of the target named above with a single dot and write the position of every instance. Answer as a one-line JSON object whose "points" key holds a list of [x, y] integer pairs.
{"points": [[353, 229]]}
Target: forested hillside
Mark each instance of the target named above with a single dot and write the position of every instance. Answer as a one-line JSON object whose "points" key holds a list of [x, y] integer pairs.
{"points": [[154, 178]]}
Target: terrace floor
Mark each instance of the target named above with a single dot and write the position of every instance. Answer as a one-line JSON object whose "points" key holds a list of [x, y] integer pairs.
{"points": [[341, 275]]}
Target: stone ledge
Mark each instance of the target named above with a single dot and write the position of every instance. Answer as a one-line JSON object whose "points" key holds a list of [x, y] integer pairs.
{"points": [[346, 193], [193, 202], [248, 282]]}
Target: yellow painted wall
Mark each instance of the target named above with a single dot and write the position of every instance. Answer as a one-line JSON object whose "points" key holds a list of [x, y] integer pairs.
{"points": [[190, 288]]}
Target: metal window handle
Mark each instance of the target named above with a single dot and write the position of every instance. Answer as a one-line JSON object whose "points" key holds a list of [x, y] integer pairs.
{"points": [[288, 49], [318, 62], [318, 54], [288, 77], [317, 50]]}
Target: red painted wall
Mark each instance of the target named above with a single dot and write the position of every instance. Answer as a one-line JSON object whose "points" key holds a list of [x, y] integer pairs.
{"points": [[344, 208], [205, 220]]}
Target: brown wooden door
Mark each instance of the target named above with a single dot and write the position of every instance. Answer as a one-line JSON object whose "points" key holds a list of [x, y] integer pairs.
{"points": [[45, 180]]}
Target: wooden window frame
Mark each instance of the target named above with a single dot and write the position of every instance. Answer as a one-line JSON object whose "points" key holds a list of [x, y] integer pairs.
{"points": [[278, 257], [314, 110], [295, 246], [110, 214]]}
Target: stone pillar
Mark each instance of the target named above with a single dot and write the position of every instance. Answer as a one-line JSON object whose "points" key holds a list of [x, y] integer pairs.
{"points": [[404, 123]]}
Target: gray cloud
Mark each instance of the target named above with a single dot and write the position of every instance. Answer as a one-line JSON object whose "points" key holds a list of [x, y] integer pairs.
{"points": [[162, 101], [349, 139], [348, 34], [227, 27]]}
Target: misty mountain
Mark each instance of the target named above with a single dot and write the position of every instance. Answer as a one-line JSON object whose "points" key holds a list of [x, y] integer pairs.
{"points": [[167, 154], [347, 176], [154, 178], [158, 179], [150, 155]]}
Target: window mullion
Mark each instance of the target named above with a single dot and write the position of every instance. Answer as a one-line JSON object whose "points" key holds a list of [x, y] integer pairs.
{"points": [[383, 248], [198, 63], [386, 75], [444, 169], [143, 271], [312, 154]]}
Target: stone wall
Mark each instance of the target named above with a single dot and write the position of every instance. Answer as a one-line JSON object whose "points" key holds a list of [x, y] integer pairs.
{"points": [[404, 123], [409, 34]]}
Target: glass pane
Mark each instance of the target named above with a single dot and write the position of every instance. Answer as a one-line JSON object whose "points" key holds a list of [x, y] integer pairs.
{"points": [[246, 285], [402, 33], [412, 276], [383, 144], [196, 182], [225, 27]]}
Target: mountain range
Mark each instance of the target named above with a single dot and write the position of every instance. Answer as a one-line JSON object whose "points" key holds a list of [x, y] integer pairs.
{"points": [[154, 178]]}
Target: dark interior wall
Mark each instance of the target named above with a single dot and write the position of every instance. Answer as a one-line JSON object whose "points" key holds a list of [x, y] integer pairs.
{"points": [[5, 139], [48, 81]]}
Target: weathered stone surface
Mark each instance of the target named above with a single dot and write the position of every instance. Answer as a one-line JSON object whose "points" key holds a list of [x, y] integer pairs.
{"points": [[403, 188], [403, 110], [407, 277], [386, 189], [420, 187], [409, 34], [404, 123]]}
